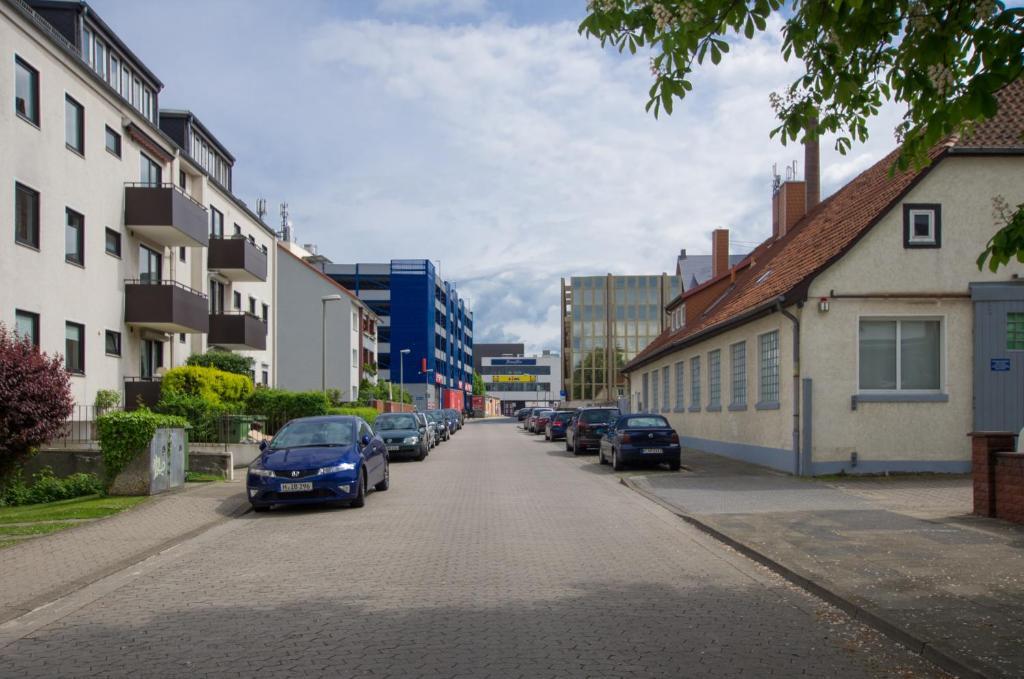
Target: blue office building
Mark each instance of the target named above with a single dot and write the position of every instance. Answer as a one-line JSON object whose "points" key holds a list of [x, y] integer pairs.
{"points": [[422, 313]]}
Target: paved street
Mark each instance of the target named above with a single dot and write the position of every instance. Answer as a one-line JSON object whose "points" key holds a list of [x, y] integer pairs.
{"points": [[499, 556]]}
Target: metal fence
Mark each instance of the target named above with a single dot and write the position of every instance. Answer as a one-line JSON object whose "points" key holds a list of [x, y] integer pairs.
{"points": [[80, 426]]}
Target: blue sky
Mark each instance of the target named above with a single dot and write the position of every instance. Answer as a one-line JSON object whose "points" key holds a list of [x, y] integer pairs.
{"points": [[484, 134]]}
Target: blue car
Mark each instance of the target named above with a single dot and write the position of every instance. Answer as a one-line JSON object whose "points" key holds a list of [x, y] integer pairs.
{"points": [[640, 439], [318, 459]]}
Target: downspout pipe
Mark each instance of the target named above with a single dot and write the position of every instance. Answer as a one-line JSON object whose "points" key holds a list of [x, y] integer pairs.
{"points": [[796, 383]]}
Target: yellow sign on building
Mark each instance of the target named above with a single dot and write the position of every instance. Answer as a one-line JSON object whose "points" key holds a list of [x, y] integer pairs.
{"points": [[514, 378]]}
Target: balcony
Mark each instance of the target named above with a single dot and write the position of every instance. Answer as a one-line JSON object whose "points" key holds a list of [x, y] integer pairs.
{"points": [[141, 391], [237, 258], [167, 306], [165, 214], [238, 330]]}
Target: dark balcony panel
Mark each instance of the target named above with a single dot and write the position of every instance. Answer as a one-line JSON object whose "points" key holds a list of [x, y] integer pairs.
{"points": [[239, 331], [238, 259], [165, 215], [141, 392], [165, 306]]}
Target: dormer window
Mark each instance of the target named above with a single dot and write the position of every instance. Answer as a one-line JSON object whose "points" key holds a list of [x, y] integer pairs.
{"points": [[922, 225]]}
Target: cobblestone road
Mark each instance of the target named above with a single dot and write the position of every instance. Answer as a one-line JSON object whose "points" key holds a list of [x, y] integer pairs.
{"points": [[499, 556]]}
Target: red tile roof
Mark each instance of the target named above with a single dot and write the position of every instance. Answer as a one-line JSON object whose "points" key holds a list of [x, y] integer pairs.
{"points": [[782, 269]]}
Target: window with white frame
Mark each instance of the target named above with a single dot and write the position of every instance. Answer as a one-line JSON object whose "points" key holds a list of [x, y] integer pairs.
{"points": [[922, 225], [665, 389], [695, 382], [644, 392], [680, 385], [715, 379], [738, 356], [768, 385], [654, 390], [903, 354]]}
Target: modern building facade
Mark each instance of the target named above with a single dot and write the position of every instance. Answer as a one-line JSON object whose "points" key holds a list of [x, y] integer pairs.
{"points": [[128, 251], [326, 337], [423, 315], [520, 381], [606, 321], [482, 351]]}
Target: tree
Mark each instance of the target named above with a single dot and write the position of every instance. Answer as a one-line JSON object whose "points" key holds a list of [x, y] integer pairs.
{"points": [[478, 385], [944, 61], [35, 399]]}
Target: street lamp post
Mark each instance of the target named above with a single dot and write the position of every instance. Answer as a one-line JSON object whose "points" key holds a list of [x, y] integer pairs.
{"points": [[401, 375], [323, 338]]}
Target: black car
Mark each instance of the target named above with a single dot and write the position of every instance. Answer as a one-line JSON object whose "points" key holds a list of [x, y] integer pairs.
{"points": [[403, 434], [440, 423], [641, 438], [522, 414], [586, 430]]}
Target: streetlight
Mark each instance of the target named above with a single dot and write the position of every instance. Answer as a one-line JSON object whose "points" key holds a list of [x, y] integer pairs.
{"points": [[401, 375], [323, 338]]}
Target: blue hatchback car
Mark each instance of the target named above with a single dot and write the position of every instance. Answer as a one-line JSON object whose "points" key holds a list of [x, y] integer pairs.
{"points": [[318, 459]]}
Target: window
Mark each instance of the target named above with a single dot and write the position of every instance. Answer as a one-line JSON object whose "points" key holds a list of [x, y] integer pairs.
{"points": [[181, 253], [355, 359], [252, 305], [654, 391], [26, 216], [900, 355], [216, 223], [266, 313], [695, 383], [715, 379], [150, 265], [738, 359], [113, 343], [74, 125], [74, 238], [665, 386], [112, 242], [266, 381], [238, 230], [181, 338], [26, 91], [217, 297], [680, 384], [643, 401], [99, 62], [922, 225], [115, 72], [74, 348], [150, 171], [1015, 331], [182, 183], [26, 325], [236, 299], [113, 142], [768, 387]]}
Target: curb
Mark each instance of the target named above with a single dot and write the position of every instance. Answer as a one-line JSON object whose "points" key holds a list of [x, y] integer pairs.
{"points": [[940, 657]]}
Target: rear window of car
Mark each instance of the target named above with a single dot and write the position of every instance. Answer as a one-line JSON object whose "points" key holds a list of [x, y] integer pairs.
{"points": [[645, 422], [592, 416], [561, 417]]}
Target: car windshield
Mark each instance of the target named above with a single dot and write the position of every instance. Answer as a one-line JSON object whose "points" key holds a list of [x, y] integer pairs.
{"points": [[645, 422], [434, 417], [598, 416], [386, 423], [311, 433]]}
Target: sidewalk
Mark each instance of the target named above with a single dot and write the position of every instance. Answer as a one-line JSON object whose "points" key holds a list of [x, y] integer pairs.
{"points": [[901, 553], [42, 569]]}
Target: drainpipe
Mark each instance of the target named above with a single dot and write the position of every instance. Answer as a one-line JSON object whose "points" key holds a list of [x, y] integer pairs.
{"points": [[796, 384]]}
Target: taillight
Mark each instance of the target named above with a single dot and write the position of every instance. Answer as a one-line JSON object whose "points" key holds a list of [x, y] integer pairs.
{"points": [[675, 437], [624, 438]]}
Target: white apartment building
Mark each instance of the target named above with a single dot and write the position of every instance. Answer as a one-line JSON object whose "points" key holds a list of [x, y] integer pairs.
{"points": [[520, 381], [127, 251]]}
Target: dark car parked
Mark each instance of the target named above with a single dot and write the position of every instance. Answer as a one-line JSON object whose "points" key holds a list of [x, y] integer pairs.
{"points": [[453, 418], [640, 439], [424, 421], [316, 460], [588, 427], [440, 423], [403, 434], [522, 414], [540, 421], [556, 425]]}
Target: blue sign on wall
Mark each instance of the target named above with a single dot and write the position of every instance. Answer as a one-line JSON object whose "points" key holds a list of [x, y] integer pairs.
{"points": [[999, 365], [513, 361]]}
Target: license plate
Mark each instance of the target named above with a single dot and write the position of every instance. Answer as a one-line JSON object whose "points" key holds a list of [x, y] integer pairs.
{"points": [[392, 447], [292, 487], [652, 451]]}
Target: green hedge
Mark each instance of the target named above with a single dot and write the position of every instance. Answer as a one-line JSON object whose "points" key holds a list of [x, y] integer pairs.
{"points": [[203, 416], [368, 414], [210, 384], [48, 488], [124, 435], [222, 360], [279, 405]]}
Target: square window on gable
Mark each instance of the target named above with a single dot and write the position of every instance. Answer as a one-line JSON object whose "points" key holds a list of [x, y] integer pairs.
{"points": [[922, 225]]}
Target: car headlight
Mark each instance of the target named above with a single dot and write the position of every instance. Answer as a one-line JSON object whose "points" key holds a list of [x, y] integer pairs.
{"points": [[260, 471], [343, 467], [411, 439]]}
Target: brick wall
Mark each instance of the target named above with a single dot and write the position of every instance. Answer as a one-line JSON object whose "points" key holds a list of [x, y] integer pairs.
{"points": [[998, 476]]}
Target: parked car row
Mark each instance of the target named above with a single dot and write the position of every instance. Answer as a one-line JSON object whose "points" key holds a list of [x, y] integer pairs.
{"points": [[338, 458], [618, 439]]}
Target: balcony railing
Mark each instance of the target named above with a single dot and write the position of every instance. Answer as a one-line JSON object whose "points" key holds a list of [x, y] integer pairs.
{"points": [[237, 258], [165, 214], [238, 330], [165, 305], [141, 391]]}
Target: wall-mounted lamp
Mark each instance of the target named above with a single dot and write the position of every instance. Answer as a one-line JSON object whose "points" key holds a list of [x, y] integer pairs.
{"points": [[823, 304]]}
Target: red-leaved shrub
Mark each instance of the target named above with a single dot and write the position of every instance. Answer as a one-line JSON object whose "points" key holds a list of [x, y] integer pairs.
{"points": [[35, 399]]}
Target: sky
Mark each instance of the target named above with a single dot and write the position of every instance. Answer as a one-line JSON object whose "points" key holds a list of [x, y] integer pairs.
{"points": [[485, 135]]}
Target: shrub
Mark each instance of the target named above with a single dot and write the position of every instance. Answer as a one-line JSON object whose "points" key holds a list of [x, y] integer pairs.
{"points": [[279, 405], [48, 488], [212, 385], [124, 435], [334, 397], [203, 416], [368, 414], [35, 399], [222, 360], [107, 399]]}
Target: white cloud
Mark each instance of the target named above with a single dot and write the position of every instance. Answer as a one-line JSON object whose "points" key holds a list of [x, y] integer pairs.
{"points": [[448, 7]]}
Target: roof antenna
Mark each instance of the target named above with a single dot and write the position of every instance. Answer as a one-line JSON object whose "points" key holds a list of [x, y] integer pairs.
{"points": [[261, 208]]}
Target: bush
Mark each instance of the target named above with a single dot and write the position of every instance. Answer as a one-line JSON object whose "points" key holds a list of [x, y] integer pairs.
{"points": [[35, 399], [203, 416], [279, 405], [107, 399], [222, 360], [124, 435], [368, 414], [48, 488], [212, 385]]}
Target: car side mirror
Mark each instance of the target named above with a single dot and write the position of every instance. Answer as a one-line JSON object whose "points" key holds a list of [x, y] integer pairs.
{"points": [[366, 439], [263, 446]]}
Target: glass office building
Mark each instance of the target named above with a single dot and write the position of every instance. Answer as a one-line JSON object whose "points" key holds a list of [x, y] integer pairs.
{"points": [[606, 321]]}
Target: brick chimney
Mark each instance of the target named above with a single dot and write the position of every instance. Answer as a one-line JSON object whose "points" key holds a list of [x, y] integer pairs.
{"points": [[719, 252], [789, 204]]}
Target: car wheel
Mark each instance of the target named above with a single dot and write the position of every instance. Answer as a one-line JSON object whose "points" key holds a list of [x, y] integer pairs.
{"points": [[360, 500], [674, 465], [567, 446], [261, 508], [386, 482], [616, 464], [600, 456], [423, 454]]}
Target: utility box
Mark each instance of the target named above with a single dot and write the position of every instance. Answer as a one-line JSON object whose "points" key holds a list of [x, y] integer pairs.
{"points": [[157, 469]]}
